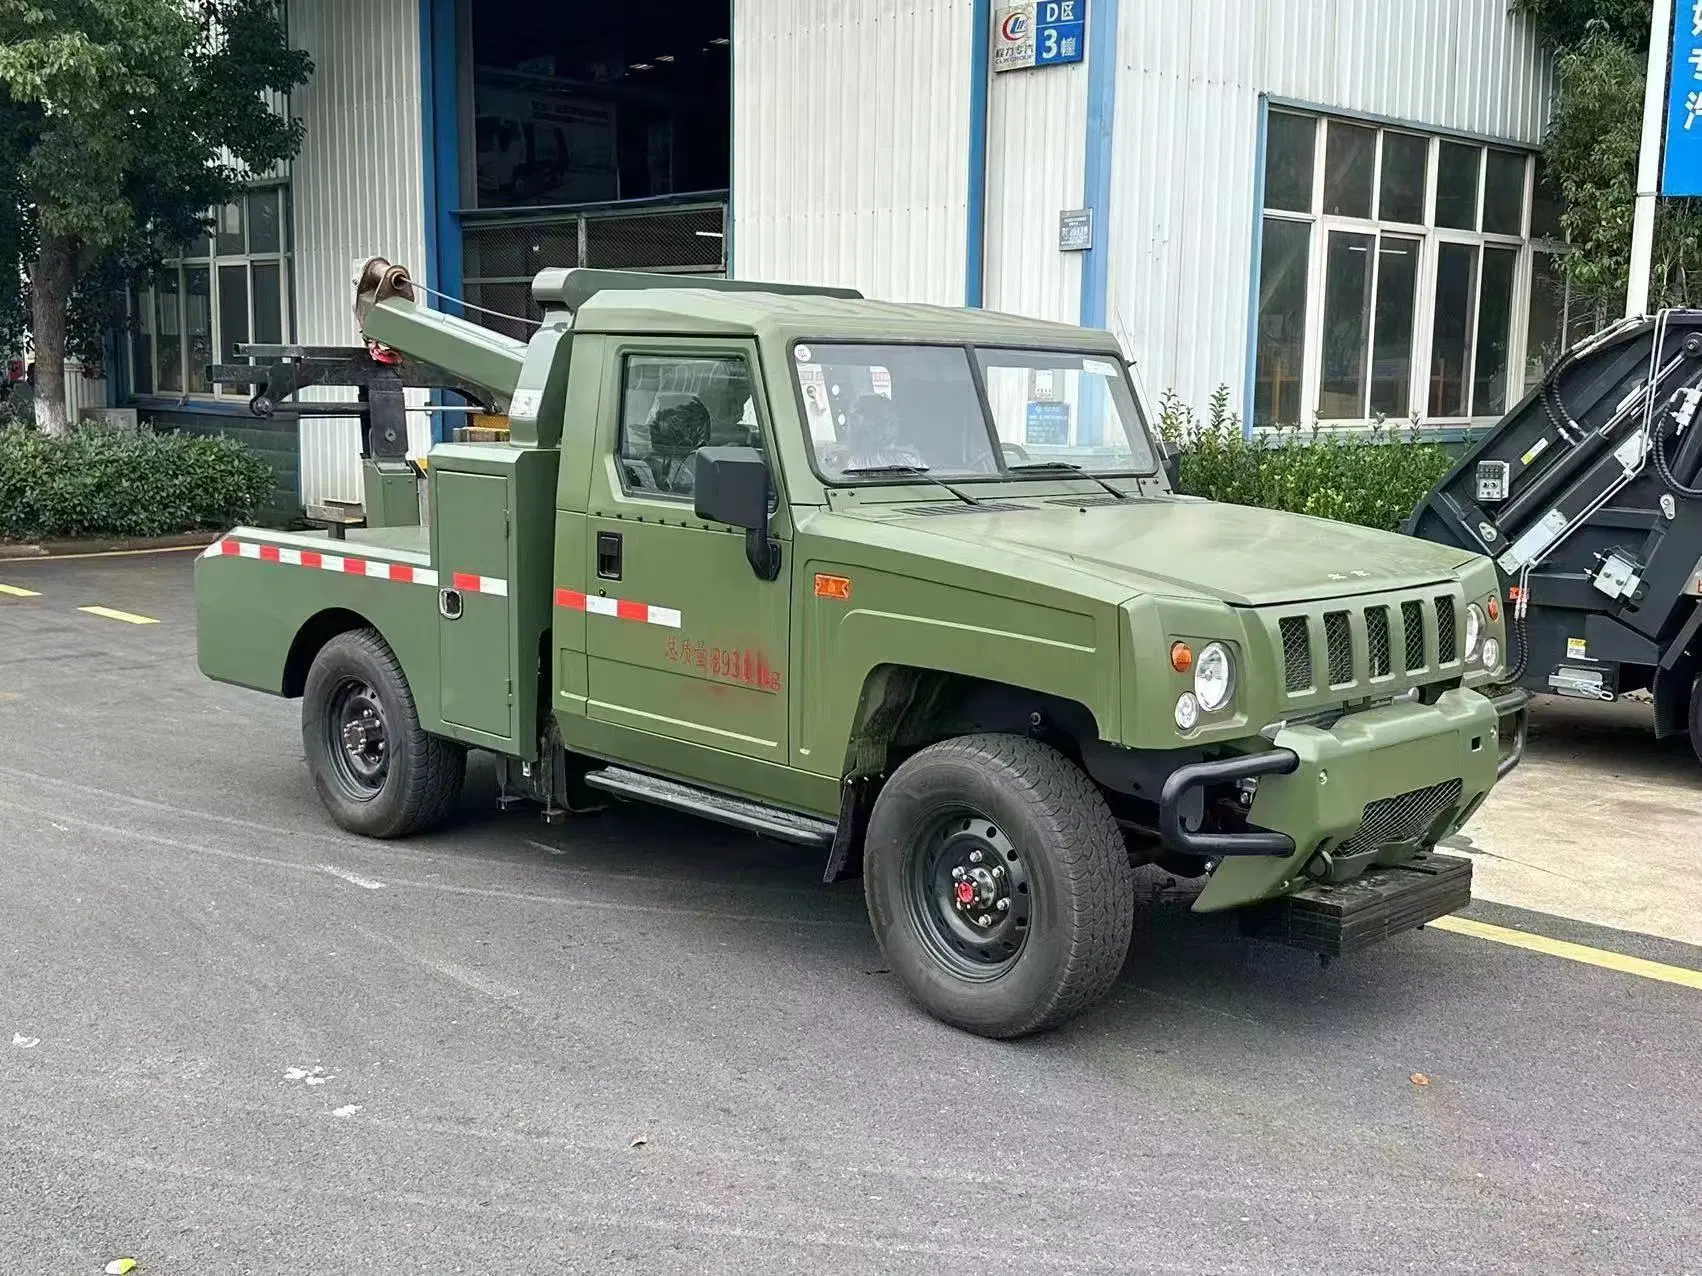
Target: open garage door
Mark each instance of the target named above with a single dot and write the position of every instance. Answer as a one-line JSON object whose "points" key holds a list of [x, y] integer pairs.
{"points": [[598, 135]]}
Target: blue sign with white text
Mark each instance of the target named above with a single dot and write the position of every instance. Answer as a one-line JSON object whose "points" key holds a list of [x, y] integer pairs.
{"points": [[1048, 424], [1060, 31], [1681, 169]]}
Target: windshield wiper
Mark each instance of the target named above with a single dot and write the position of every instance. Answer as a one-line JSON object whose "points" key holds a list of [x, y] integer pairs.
{"points": [[920, 471], [1041, 466]]}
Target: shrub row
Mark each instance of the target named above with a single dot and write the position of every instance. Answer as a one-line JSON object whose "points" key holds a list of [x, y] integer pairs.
{"points": [[1373, 477], [106, 482]]}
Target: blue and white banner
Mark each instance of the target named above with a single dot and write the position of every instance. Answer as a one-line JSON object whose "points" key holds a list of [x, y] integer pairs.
{"points": [[1681, 167]]}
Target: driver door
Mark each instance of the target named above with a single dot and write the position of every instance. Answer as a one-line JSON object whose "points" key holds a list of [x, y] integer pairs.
{"points": [[683, 639]]}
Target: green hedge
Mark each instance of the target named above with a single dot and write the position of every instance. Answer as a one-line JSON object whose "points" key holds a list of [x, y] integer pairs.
{"points": [[106, 482], [1374, 477]]}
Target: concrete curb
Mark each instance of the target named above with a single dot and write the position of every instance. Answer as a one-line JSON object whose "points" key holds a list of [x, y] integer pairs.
{"points": [[70, 549]]}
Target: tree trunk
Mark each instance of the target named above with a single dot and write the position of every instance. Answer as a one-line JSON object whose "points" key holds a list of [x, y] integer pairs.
{"points": [[51, 277]]}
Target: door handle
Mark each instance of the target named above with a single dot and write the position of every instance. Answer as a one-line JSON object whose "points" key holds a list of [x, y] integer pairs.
{"points": [[609, 555], [449, 604]]}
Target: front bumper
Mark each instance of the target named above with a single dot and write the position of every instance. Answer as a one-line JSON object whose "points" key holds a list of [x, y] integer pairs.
{"points": [[1372, 790]]}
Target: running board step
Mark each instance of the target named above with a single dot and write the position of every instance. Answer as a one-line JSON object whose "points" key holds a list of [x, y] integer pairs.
{"points": [[752, 816]]}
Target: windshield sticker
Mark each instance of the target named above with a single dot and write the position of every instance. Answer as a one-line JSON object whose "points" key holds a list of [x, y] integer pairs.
{"points": [[801, 353], [1099, 367]]}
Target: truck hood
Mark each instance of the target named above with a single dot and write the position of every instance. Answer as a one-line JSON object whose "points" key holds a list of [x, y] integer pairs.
{"points": [[1232, 553]]}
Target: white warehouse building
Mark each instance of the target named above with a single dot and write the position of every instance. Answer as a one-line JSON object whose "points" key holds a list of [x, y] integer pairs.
{"points": [[1330, 207]]}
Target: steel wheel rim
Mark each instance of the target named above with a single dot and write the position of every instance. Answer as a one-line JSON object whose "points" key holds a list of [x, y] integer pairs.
{"points": [[970, 895], [358, 739]]}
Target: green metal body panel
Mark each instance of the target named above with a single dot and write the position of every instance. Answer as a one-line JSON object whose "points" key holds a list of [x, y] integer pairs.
{"points": [[390, 493], [681, 661], [1366, 757], [248, 613]]}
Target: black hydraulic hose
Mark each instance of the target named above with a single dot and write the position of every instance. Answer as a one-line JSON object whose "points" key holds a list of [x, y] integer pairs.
{"points": [[1663, 467], [1522, 627]]}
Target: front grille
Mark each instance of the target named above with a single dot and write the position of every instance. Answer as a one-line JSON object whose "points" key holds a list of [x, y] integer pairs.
{"points": [[1402, 818], [1296, 653], [1412, 620], [1377, 636], [1427, 630], [1338, 642], [1447, 634]]}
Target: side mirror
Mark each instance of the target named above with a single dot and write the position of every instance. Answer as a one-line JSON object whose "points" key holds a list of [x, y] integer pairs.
{"points": [[1173, 469], [731, 486]]}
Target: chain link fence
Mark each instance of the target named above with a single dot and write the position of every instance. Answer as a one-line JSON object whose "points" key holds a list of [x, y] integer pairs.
{"points": [[503, 252]]}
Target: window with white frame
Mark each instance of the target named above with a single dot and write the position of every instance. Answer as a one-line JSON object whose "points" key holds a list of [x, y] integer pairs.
{"points": [[229, 288], [1401, 275]]}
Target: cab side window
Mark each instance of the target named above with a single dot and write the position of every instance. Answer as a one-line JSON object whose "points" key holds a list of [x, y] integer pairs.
{"points": [[672, 406]]}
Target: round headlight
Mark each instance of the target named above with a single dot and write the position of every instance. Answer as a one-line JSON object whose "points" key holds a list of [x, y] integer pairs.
{"points": [[1214, 677], [1187, 711], [1491, 654], [1474, 630]]}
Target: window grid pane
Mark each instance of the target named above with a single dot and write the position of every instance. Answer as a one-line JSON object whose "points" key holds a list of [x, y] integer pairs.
{"points": [[1456, 291], [1406, 168], [1350, 168], [1391, 351], [1504, 194], [1347, 325], [1494, 332], [1284, 262], [1290, 141], [1456, 186]]}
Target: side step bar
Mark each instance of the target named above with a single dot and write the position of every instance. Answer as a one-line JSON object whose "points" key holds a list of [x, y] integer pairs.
{"points": [[754, 817]]}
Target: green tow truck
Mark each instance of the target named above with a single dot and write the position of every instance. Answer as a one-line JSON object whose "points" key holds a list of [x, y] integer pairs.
{"points": [[905, 586]]}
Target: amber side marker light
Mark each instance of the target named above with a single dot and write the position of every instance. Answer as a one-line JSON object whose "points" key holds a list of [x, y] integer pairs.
{"points": [[1181, 657], [1495, 609], [833, 587]]}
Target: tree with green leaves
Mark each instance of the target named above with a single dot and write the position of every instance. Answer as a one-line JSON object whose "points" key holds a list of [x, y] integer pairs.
{"points": [[122, 123], [1591, 151]]}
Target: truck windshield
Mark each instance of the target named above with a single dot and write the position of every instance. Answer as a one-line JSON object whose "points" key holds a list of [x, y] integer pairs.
{"points": [[876, 412]]}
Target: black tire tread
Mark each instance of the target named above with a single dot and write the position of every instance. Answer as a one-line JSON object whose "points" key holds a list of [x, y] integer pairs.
{"points": [[438, 767], [1087, 851]]}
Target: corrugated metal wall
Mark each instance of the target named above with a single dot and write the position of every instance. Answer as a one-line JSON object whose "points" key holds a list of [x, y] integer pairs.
{"points": [[1181, 248], [359, 192], [1036, 122], [850, 142]]}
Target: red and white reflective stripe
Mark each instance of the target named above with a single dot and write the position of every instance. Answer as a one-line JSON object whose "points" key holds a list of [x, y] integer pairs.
{"points": [[318, 560], [620, 608], [468, 583]]}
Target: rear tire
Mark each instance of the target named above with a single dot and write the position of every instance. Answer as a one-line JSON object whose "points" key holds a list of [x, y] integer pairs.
{"points": [[998, 885], [377, 771]]}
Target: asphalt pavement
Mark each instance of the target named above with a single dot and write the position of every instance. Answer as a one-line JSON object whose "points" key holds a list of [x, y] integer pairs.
{"points": [[235, 1039]]}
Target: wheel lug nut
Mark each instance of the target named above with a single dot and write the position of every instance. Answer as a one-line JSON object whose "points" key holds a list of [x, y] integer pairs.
{"points": [[998, 870], [985, 919], [975, 857], [1004, 906]]}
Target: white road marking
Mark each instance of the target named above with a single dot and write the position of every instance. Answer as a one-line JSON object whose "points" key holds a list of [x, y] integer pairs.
{"points": [[348, 1109], [25, 1043], [365, 883]]}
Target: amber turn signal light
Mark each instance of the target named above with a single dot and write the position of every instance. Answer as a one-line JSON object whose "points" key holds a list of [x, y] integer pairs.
{"points": [[1181, 657], [1495, 609], [833, 587]]}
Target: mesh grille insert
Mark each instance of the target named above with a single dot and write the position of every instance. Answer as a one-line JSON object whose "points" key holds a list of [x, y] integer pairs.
{"points": [[1401, 818], [1338, 641], [1377, 638], [1088, 502], [1412, 620], [1447, 633], [1296, 653], [981, 507]]}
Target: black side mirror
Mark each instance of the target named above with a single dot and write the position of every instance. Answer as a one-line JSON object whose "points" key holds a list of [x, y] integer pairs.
{"points": [[1173, 470], [732, 487]]}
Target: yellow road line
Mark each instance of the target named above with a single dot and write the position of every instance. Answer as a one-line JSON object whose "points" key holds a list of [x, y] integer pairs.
{"points": [[1573, 952], [17, 591], [129, 617]]}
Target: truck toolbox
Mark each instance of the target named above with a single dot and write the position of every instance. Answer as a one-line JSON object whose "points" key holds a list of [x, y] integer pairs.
{"points": [[1333, 919]]}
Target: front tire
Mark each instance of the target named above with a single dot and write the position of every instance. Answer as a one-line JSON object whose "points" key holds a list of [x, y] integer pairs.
{"points": [[377, 771], [998, 885]]}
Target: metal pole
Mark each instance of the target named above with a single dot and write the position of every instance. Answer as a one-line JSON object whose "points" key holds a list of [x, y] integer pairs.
{"points": [[1649, 162]]}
